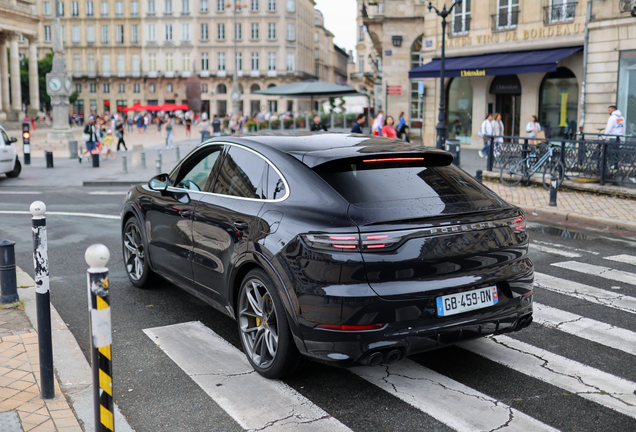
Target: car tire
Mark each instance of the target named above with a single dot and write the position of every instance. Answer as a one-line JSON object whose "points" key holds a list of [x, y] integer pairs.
{"points": [[264, 330], [136, 259], [17, 169]]}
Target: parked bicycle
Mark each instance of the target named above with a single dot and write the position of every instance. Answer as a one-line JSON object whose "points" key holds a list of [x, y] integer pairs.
{"points": [[516, 170]]}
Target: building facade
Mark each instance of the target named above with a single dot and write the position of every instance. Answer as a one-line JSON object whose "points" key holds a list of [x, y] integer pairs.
{"points": [[123, 52], [403, 34]]}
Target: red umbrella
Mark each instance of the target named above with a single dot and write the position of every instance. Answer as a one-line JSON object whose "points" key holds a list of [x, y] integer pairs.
{"points": [[136, 107], [153, 107], [183, 107]]}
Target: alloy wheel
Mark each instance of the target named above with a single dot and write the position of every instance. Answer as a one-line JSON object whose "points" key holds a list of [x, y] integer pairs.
{"points": [[134, 252], [258, 323]]}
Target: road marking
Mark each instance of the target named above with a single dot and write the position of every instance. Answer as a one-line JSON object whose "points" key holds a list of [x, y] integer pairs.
{"points": [[585, 381], [585, 328], [604, 272], [557, 245], [586, 292], [108, 193], [554, 251], [440, 397], [54, 213], [628, 259], [224, 373], [20, 193]]}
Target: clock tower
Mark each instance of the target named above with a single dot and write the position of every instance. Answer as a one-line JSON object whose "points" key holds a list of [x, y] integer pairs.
{"points": [[58, 85]]}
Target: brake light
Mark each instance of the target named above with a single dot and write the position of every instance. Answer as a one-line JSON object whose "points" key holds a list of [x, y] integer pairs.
{"points": [[519, 223], [396, 159], [351, 327], [353, 242]]}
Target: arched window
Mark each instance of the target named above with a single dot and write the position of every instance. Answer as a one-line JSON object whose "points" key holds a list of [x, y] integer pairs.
{"points": [[221, 89], [271, 85], [255, 88], [459, 116], [416, 52], [558, 104]]}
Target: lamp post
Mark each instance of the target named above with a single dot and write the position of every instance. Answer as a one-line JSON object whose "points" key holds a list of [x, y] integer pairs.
{"points": [[236, 93], [441, 125]]}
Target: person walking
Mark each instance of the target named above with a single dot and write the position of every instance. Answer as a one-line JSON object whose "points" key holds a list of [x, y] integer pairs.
{"points": [[130, 123], [378, 123], [188, 125], [357, 125], [169, 143], [204, 129], [388, 131], [216, 126], [90, 137], [484, 132], [615, 126], [119, 132], [533, 128], [316, 125], [401, 124], [107, 144], [498, 132]]}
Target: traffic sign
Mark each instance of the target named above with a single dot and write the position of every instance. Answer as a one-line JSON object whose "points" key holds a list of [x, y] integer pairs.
{"points": [[394, 90]]}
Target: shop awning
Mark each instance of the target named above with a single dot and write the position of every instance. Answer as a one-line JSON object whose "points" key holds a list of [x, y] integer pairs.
{"points": [[496, 64]]}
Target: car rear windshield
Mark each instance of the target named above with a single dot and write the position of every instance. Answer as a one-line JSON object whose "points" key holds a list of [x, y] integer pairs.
{"points": [[375, 181]]}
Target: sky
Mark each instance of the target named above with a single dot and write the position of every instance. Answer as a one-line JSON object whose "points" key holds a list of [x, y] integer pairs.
{"points": [[340, 19]]}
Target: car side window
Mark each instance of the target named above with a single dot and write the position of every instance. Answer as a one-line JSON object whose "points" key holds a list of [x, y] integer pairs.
{"points": [[275, 185], [194, 176], [242, 174], [5, 138]]}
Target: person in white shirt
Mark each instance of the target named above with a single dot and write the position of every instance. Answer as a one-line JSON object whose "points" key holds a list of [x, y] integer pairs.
{"points": [[533, 126], [615, 124], [484, 131], [498, 132]]}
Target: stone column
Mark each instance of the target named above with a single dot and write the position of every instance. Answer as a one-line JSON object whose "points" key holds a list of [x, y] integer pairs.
{"points": [[16, 90], [4, 76], [34, 85]]}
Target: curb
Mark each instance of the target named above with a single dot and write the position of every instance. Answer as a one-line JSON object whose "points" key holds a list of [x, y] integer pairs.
{"points": [[74, 373], [562, 215], [112, 183]]}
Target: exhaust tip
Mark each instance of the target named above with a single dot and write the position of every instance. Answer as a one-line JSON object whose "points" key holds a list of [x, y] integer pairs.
{"points": [[374, 359], [393, 356]]}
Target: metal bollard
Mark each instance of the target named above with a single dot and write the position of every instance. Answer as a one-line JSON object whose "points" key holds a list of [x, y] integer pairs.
{"points": [[159, 155], [95, 157], [143, 159], [124, 164], [8, 279], [178, 153], [479, 176], [553, 191], [158, 166], [97, 257], [42, 299], [49, 159]]}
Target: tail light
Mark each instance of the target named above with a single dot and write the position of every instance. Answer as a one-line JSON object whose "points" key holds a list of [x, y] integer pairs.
{"points": [[365, 327], [518, 223]]}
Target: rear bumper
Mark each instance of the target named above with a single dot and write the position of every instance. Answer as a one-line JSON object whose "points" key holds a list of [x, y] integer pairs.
{"points": [[344, 349]]}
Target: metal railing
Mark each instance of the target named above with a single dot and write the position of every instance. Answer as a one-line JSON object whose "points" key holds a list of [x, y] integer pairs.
{"points": [[589, 157], [505, 20], [559, 13]]}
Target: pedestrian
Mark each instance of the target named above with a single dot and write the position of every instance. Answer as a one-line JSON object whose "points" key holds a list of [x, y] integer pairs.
{"points": [[533, 128], [401, 124], [119, 132], [485, 131], [357, 125], [316, 125], [33, 123], [388, 131], [615, 126], [90, 137], [130, 123], [188, 124], [169, 143], [378, 123], [498, 132], [159, 123], [140, 123], [107, 144], [204, 129], [216, 126]]}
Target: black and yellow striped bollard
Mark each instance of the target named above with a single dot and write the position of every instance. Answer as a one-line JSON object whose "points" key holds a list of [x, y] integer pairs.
{"points": [[97, 257]]}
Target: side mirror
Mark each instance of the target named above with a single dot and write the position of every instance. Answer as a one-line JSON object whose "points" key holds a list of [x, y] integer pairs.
{"points": [[13, 139], [159, 183]]}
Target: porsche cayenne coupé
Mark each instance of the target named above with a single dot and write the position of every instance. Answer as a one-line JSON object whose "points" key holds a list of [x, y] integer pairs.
{"points": [[339, 248]]}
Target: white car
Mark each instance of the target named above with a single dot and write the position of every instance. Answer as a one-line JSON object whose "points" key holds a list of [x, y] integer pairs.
{"points": [[9, 162]]}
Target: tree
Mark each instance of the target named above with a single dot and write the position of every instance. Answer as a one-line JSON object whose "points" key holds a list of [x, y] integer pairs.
{"points": [[44, 67]]}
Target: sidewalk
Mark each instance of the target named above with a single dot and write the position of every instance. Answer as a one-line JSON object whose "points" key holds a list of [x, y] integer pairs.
{"points": [[21, 408]]}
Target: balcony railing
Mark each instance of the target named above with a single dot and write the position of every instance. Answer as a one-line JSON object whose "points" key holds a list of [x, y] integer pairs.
{"points": [[559, 13], [505, 20], [460, 26]]}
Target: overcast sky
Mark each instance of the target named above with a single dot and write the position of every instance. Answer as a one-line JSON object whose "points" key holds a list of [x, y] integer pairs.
{"points": [[340, 19]]}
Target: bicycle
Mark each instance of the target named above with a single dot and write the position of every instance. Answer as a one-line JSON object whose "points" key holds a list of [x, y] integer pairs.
{"points": [[516, 170]]}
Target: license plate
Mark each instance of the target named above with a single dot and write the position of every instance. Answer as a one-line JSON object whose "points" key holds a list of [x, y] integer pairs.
{"points": [[470, 300]]}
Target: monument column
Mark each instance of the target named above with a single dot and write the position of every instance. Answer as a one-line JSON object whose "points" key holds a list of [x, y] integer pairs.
{"points": [[34, 84], [16, 88], [4, 76]]}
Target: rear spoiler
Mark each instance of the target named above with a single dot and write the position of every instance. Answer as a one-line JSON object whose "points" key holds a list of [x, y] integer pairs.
{"points": [[377, 160]]}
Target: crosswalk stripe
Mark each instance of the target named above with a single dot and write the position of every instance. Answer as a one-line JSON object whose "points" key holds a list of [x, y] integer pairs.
{"points": [[586, 328], [586, 292], [554, 251], [447, 400], [628, 259], [604, 272], [585, 381], [223, 372]]}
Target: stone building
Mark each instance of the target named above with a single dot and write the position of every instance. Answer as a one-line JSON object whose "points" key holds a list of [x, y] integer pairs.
{"points": [[18, 26], [123, 52], [538, 68]]}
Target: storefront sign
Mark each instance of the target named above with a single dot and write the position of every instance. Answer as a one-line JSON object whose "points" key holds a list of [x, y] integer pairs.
{"points": [[514, 36], [473, 73]]}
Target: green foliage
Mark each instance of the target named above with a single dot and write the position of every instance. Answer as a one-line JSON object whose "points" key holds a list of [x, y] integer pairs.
{"points": [[44, 67], [73, 97]]}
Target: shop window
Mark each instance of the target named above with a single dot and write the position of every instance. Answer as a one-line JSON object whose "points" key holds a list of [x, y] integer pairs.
{"points": [[558, 104], [459, 116], [627, 90]]}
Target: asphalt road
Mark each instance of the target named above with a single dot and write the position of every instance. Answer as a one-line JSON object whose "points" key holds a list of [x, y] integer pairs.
{"points": [[157, 395]]}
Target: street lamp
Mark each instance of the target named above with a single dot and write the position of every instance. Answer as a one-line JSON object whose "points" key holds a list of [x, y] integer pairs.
{"points": [[441, 125]]}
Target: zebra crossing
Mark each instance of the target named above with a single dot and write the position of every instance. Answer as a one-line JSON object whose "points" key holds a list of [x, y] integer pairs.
{"points": [[504, 382]]}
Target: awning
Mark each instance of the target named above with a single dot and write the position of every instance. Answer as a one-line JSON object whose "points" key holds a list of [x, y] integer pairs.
{"points": [[496, 64]]}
